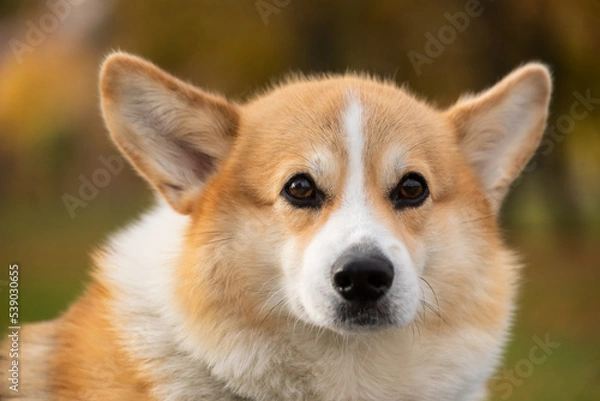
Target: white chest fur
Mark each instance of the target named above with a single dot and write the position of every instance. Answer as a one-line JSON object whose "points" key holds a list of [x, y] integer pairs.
{"points": [[300, 363]]}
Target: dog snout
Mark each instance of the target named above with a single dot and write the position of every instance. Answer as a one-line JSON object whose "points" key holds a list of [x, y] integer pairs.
{"points": [[362, 278]]}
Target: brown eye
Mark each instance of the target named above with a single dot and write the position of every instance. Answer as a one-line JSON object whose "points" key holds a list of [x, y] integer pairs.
{"points": [[301, 191], [410, 192]]}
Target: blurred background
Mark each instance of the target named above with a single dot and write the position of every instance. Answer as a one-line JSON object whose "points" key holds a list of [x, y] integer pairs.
{"points": [[60, 196]]}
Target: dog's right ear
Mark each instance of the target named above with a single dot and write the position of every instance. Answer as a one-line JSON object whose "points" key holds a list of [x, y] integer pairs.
{"points": [[174, 134]]}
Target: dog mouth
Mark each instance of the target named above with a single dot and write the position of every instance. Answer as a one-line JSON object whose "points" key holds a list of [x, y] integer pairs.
{"points": [[370, 315]]}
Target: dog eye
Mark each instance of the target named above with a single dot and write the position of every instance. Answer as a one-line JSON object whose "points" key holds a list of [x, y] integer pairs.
{"points": [[410, 192], [301, 191]]}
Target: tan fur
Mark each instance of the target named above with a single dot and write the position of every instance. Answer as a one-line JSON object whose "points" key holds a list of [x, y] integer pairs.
{"points": [[35, 361], [77, 357], [224, 312]]}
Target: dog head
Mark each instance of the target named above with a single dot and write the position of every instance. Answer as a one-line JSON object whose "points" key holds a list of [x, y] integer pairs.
{"points": [[341, 201]]}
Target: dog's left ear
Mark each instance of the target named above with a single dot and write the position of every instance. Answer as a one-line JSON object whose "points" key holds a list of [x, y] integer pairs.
{"points": [[500, 129]]}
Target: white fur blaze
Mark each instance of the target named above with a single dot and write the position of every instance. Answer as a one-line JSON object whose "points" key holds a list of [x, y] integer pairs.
{"points": [[353, 223]]}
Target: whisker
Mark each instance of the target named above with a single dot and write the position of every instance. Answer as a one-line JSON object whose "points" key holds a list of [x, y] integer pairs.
{"points": [[280, 304], [437, 302]]}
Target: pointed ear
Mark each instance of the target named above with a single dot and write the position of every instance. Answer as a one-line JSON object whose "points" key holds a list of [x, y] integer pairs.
{"points": [[174, 134], [500, 129]]}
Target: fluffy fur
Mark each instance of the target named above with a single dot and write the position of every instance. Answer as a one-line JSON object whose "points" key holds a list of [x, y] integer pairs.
{"points": [[222, 291]]}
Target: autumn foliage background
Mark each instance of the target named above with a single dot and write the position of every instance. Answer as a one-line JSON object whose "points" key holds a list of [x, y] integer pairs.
{"points": [[52, 139]]}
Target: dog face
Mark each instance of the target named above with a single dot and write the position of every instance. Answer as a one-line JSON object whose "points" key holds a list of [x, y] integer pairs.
{"points": [[343, 202], [350, 185]]}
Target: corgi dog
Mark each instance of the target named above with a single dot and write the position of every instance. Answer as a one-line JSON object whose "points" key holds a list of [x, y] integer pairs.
{"points": [[333, 238]]}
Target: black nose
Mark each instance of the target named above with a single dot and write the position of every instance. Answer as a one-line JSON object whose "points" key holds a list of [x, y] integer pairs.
{"points": [[363, 278]]}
